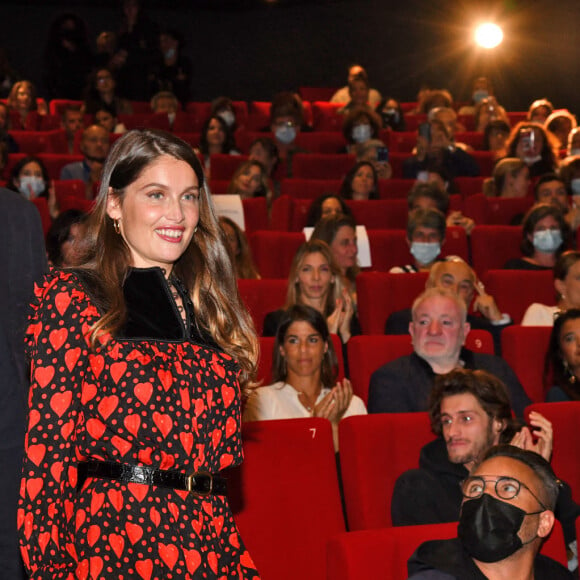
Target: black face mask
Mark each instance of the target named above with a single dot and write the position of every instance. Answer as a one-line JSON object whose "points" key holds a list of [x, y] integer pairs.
{"points": [[488, 528]]}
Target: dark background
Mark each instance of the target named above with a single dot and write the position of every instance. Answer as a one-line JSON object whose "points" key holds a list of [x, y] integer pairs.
{"points": [[250, 49]]}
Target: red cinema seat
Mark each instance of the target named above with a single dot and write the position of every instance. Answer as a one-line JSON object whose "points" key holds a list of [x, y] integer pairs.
{"points": [[565, 418], [320, 166], [402, 141], [146, 120], [255, 214], [328, 142], [56, 107], [468, 121], [412, 122], [384, 553], [472, 138], [35, 142], [325, 116], [289, 214], [524, 349], [496, 210], [515, 290], [370, 467], [395, 188], [372, 351], [259, 116], [71, 202], [396, 161], [380, 214], [262, 296], [13, 159], [381, 293], [191, 138], [317, 93], [266, 356], [309, 188], [141, 107], [469, 185], [224, 166], [516, 116], [217, 186], [69, 188], [41, 205], [493, 246], [54, 162], [285, 497], [273, 252], [486, 161]]}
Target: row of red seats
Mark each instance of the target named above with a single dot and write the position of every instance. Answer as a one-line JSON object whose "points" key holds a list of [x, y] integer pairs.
{"points": [[289, 479]]}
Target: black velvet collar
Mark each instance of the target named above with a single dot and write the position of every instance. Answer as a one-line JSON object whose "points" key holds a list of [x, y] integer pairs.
{"points": [[152, 312]]}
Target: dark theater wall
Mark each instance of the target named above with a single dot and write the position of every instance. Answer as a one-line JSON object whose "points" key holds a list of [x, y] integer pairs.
{"points": [[251, 50]]}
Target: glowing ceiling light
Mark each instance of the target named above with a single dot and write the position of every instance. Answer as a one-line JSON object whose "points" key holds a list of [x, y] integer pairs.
{"points": [[488, 35]]}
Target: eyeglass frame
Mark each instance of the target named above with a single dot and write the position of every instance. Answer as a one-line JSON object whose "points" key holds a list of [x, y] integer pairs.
{"points": [[499, 478]]}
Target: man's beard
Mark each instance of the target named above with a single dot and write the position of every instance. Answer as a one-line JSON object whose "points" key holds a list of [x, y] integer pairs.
{"points": [[477, 450]]}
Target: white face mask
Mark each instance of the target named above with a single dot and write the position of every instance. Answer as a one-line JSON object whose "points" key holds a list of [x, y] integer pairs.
{"points": [[479, 95], [228, 117], [425, 252], [547, 241], [531, 160], [30, 186], [361, 133], [286, 134], [575, 151]]}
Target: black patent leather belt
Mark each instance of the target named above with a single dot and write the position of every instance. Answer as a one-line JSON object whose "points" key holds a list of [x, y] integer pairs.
{"points": [[200, 483]]}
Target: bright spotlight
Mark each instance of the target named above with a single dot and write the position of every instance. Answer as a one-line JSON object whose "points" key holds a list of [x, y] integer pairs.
{"points": [[488, 35]]}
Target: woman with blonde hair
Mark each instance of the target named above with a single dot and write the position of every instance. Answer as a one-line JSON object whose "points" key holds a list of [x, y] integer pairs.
{"points": [[138, 359], [315, 280], [510, 178], [23, 100], [250, 180]]}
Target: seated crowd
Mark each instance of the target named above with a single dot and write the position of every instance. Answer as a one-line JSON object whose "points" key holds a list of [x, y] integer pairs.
{"points": [[471, 397]]}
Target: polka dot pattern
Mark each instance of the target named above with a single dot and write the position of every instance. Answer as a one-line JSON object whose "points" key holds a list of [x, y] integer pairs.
{"points": [[167, 404]]}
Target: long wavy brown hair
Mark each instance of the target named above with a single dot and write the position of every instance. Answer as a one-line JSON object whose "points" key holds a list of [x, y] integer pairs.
{"points": [[204, 268]]}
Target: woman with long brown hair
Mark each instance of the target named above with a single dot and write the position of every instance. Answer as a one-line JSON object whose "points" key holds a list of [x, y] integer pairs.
{"points": [[138, 360]]}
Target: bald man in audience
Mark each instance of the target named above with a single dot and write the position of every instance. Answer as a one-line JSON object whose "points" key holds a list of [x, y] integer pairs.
{"points": [[456, 276], [438, 328]]}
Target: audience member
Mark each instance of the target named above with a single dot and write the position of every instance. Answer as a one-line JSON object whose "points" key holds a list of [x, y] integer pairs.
{"points": [[494, 539], [574, 142], [326, 205], [562, 368], [315, 281], [374, 151], [510, 178], [540, 110], [216, 138], [71, 121], [106, 50], [570, 175], [495, 135], [240, 252], [6, 139], [343, 95], [360, 183], [264, 150], [304, 370], [438, 329], [105, 117], [448, 117], [67, 57], [567, 286], [488, 111], [64, 240], [545, 235], [482, 88], [455, 276], [358, 93], [224, 108], [431, 99], [425, 237], [536, 147], [24, 103], [101, 90], [391, 114], [94, 147], [560, 123], [360, 126], [172, 71], [339, 232], [250, 180]]}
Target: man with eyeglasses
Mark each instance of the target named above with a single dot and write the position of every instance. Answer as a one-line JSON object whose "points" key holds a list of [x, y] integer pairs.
{"points": [[469, 412], [438, 329], [506, 512]]}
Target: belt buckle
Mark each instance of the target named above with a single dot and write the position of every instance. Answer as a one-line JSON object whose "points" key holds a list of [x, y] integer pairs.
{"points": [[190, 479]]}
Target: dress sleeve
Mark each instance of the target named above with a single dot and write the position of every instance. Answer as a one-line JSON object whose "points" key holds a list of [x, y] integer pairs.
{"points": [[56, 344]]}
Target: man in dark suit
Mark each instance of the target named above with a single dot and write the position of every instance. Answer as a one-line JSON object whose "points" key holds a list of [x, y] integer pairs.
{"points": [[23, 261]]}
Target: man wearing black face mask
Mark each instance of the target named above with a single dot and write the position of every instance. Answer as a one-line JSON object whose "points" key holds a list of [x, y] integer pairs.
{"points": [[94, 147], [507, 511]]}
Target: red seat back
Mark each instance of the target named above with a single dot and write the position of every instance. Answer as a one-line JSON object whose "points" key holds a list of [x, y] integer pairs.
{"points": [[319, 166], [493, 246], [262, 296], [496, 210], [273, 252], [224, 166], [285, 497], [524, 349]]}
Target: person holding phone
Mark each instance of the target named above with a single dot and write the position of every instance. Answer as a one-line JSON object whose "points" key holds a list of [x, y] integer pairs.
{"points": [[535, 146]]}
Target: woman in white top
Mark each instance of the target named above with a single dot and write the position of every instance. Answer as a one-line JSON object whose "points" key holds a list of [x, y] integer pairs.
{"points": [[304, 369], [567, 284]]}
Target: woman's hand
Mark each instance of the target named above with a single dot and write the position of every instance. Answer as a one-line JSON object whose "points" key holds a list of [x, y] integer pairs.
{"points": [[335, 404], [52, 202], [334, 321], [347, 313], [545, 437]]}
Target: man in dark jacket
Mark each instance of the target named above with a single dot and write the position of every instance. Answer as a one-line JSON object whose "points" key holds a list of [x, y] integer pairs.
{"points": [[507, 511]]}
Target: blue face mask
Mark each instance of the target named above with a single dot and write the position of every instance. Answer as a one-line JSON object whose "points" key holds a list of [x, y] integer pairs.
{"points": [[479, 95], [361, 133], [425, 252], [30, 186], [547, 241], [170, 53], [575, 186], [285, 134]]}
